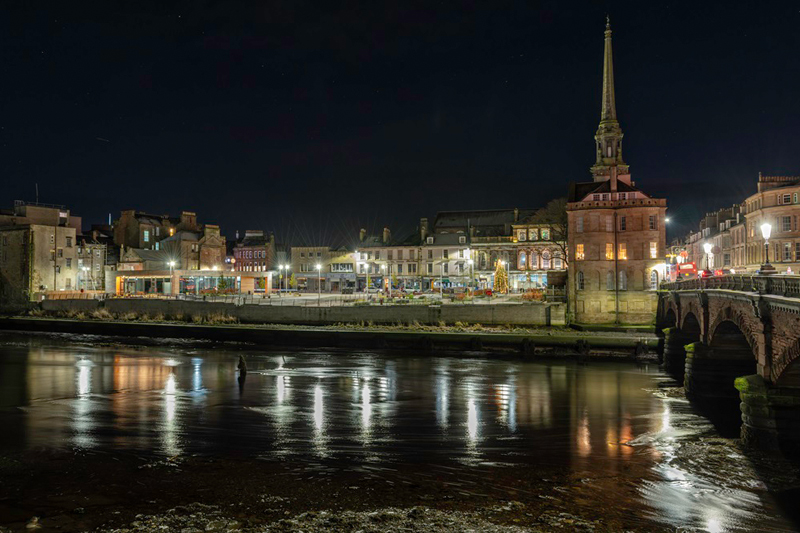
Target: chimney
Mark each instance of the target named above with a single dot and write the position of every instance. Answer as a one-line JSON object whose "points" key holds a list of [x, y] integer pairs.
{"points": [[516, 214], [387, 235], [362, 235], [423, 228], [237, 234], [271, 238]]}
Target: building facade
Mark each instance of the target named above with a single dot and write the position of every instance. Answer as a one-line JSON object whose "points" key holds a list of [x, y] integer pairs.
{"points": [[616, 232], [255, 252], [38, 250]]}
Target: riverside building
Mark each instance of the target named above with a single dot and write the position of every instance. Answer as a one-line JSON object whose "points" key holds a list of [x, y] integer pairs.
{"points": [[616, 231]]}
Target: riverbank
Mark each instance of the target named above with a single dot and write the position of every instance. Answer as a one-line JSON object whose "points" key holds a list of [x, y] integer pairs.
{"points": [[528, 342]]}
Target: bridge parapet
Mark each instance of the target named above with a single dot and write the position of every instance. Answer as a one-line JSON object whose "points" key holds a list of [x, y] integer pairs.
{"points": [[778, 285]]}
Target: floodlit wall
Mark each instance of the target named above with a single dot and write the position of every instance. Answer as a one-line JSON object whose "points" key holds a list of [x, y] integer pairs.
{"points": [[531, 314]]}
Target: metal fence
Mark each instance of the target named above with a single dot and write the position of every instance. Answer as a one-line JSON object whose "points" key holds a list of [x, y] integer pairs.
{"points": [[778, 285]]}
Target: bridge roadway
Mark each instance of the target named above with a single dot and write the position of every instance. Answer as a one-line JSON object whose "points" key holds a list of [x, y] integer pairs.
{"points": [[734, 342]]}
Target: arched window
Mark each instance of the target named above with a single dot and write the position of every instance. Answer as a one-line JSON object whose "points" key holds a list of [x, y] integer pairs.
{"points": [[545, 260], [521, 260], [581, 281], [482, 261], [610, 281], [623, 281], [534, 261], [653, 280]]}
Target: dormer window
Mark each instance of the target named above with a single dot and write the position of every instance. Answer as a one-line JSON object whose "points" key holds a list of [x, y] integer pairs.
{"points": [[462, 239], [429, 240], [596, 197], [623, 196]]}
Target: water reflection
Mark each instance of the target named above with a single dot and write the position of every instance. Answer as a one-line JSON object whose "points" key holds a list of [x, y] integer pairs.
{"points": [[600, 422]]}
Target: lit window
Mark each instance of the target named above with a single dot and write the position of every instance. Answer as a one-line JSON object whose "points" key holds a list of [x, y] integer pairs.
{"points": [[146, 237], [579, 255], [623, 251], [653, 280], [653, 250], [609, 251], [545, 234], [462, 240]]}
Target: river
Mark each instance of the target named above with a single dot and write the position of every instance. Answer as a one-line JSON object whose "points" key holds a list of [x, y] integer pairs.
{"points": [[604, 446]]}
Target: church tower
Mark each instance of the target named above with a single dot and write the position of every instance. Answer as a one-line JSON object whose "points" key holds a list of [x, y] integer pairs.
{"points": [[616, 236], [609, 165]]}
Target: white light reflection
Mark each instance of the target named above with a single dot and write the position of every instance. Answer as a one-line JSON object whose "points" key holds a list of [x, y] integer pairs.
{"points": [[197, 376], [584, 435], [169, 439], [320, 439], [280, 387], [472, 423], [83, 424], [442, 400]]}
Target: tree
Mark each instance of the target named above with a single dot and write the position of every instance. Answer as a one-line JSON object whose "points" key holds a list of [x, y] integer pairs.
{"points": [[554, 216], [500, 278], [292, 282], [222, 284]]}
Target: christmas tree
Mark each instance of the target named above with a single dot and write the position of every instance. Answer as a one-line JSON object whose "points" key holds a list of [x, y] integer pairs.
{"points": [[500, 278]]}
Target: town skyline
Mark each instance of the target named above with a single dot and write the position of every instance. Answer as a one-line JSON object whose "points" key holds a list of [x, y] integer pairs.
{"points": [[286, 171]]}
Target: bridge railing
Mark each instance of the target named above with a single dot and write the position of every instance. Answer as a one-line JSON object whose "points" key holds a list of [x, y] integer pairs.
{"points": [[779, 285]]}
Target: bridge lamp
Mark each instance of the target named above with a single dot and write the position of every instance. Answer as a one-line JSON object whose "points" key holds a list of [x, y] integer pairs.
{"points": [[766, 231]]}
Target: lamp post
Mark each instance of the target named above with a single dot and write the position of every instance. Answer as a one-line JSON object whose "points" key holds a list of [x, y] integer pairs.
{"points": [[707, 248], [383, 273], [319, 284], [766, 230]]}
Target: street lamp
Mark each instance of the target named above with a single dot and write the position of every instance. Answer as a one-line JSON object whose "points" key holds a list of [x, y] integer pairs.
{"points": [[319, 284], [383, 273], [766, 231], [470, 262], [707, 248]]}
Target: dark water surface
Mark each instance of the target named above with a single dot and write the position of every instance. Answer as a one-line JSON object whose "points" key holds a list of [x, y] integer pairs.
{"points": [[477, 420]]}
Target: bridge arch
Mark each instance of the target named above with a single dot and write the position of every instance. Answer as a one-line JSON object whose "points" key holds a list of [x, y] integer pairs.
{"points": [[691, 328]]}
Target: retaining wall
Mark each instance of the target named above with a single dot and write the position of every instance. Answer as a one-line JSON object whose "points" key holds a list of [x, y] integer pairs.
{"points": [[528, 314]]}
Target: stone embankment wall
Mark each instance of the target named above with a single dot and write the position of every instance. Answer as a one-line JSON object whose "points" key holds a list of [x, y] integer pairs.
{"points": [[528, 314]]}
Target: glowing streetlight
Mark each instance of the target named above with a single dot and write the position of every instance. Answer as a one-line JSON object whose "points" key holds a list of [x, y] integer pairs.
{"points": [[707, 247], [766, 231], [470, 262]]}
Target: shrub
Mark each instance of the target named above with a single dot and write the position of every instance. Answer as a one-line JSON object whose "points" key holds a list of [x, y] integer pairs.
{"points": [[197, 319], [158, 317], [102, 314], [442, 324], [128, 316], [37, 312]]}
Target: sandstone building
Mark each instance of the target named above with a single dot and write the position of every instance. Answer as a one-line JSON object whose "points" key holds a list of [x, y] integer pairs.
{"points": [[616, 231]]}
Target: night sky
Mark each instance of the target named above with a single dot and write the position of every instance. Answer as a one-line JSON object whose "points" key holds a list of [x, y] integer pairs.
{"points": [[315, 118]]}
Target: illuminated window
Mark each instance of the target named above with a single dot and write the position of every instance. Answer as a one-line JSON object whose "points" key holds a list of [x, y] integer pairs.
{"points": [[545, 234], [653, 280], [171, 231], [521, 260], [653, 250], [146, 237], [623, 251], [579, 255], [609, 251]]}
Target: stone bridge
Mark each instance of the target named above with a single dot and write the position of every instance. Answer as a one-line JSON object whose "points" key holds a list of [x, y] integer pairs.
{"points": [[734, 341]]}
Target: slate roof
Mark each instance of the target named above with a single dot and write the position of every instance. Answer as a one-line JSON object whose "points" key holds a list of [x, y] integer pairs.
{"points": [[579, 191]]}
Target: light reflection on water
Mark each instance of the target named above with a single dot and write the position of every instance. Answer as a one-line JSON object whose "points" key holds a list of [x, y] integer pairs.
{"points": [[600, 422]]}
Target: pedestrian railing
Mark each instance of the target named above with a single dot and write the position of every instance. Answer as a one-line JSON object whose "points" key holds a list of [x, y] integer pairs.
{"points": [[778, 284]]}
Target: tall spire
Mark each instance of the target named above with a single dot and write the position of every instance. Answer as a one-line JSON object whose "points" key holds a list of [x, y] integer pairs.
{"points": [[609, 111], [609, 164]]}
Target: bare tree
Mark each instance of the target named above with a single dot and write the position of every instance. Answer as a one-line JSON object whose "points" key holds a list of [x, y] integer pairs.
{"points": [[554, 215]]}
